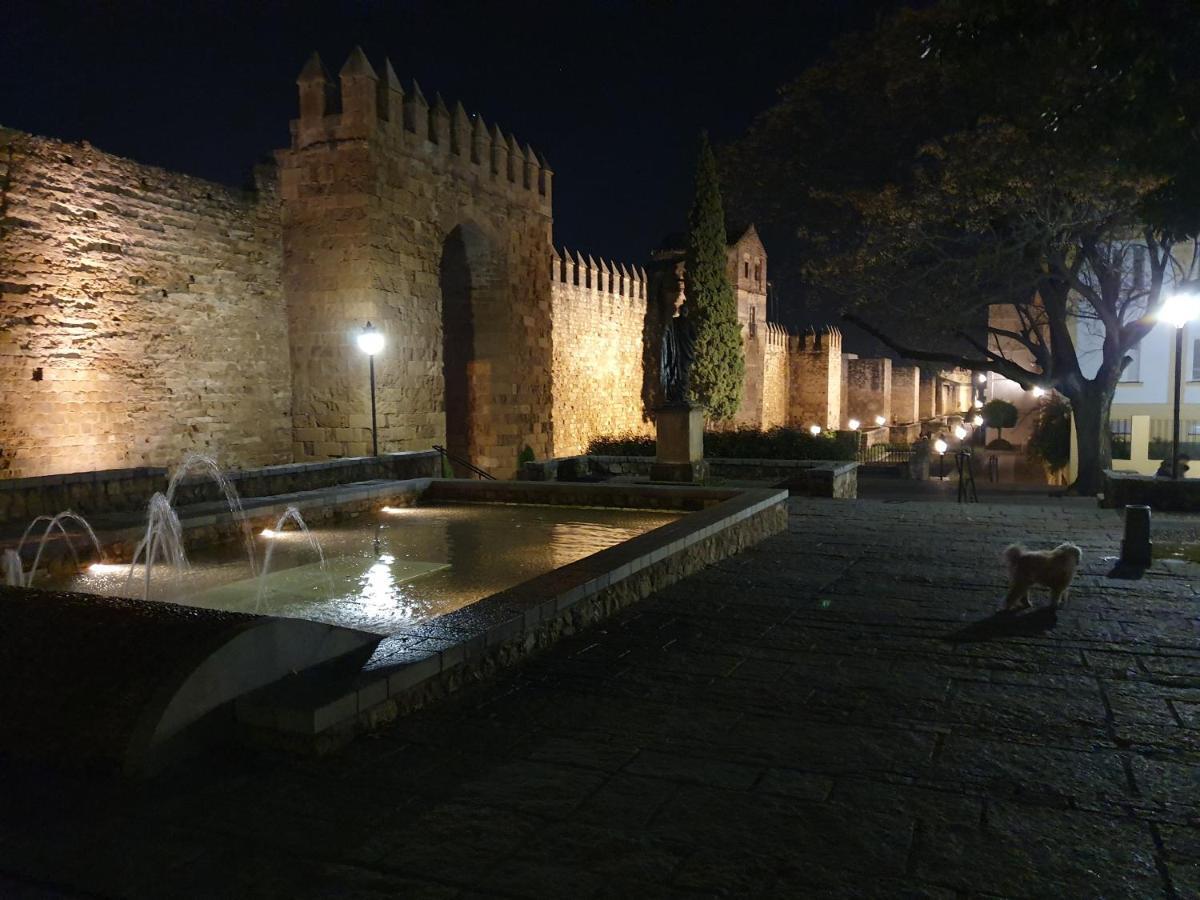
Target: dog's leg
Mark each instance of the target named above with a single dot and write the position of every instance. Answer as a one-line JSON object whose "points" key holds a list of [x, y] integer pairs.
{"points": [[1018, 597], [1060, 597]]}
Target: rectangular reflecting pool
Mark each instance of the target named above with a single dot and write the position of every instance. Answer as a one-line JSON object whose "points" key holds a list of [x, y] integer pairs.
{"points": [[384, 570]]}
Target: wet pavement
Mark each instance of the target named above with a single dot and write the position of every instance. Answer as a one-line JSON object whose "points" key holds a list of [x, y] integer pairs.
{"points": [[835, 712]]}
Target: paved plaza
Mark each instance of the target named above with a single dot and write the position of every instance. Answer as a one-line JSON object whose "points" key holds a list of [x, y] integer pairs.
{"points": [[835, 712]]}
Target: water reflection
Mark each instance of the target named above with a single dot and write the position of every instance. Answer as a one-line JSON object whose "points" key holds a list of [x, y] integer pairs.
{"points": [[393, 568]]}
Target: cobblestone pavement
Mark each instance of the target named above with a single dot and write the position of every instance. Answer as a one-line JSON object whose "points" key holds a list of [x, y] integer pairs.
{"points": [[832, 713]]}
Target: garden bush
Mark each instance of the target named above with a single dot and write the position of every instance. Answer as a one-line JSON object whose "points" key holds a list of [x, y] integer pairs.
{"points": [[744, 443]]}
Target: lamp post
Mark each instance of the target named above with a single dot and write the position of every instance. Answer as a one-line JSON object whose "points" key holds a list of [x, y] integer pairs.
{"points": [[941, 447], [1178, 309], [370, 342]]}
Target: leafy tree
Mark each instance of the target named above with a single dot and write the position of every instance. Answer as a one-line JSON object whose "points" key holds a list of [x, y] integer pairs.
{"points": [[720, 365], [1019, 156], [1050, 443], [999, 414]]}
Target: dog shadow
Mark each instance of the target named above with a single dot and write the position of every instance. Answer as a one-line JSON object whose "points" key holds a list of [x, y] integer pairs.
{"points": [[1004, 624]]}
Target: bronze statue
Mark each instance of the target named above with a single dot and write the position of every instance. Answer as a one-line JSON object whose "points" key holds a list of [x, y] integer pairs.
{"points": [[678, 353]]}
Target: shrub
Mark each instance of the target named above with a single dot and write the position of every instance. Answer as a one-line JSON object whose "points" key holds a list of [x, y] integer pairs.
{"points": [[999, 414], [744, 443], [1050, 443], [526, 455]]}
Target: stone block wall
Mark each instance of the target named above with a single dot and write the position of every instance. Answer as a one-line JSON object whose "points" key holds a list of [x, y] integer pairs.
{"points": [[906, 385], [869, 389], [142, 314], [815, 379], [927, 397], [775, 377], [436, 229], [598, 315]]}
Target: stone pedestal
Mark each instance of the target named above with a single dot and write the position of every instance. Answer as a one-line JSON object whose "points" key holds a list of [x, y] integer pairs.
{"points": [[680, 454]]}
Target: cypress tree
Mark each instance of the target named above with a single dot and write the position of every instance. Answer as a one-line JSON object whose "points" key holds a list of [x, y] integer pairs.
{"points": [[720, 365]]}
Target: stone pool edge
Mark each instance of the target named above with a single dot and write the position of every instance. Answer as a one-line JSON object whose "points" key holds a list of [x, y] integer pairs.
{"points": [[433, 659]]}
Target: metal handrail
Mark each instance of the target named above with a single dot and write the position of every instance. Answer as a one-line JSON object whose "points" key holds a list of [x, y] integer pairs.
{"points": [[446, 454]]}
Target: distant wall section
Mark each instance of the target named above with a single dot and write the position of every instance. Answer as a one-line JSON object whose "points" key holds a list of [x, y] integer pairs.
{"points": [[142, 314], [598, 311]]}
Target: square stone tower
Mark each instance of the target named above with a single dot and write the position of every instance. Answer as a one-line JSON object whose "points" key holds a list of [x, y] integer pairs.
{"points": [[436, 229]]}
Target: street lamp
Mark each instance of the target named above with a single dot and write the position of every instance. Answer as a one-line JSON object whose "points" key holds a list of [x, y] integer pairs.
{"points": [[853, 424], [941, 446], [1178, 309], [370, 342], [960, 432], [814, 430], [880, 421]]}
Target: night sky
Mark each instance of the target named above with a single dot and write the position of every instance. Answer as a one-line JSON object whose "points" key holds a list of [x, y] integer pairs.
{"points": [[613, 93]]}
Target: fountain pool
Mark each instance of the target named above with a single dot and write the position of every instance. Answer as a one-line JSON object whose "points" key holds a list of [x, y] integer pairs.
{"points": [[385, 569]]}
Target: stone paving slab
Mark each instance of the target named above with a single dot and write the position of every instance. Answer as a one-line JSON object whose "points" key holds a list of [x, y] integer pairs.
{"points": [[835, 712]]}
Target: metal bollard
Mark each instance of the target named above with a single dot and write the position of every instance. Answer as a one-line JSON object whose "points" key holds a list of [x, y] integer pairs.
{"points": [[1136, 548]]}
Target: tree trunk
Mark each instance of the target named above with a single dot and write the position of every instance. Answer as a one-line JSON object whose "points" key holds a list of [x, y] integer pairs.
{"points": [[1090, 407]]}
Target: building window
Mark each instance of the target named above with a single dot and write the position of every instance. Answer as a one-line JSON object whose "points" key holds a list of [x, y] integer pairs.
{"points": [[1196, 359], [753, 321], [746, 269], [1133, 370]]}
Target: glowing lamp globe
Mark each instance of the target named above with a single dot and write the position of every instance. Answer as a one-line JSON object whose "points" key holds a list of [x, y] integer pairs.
{"points": [[982, 378], [1039, 391], [977, 421], [853, 424], [814, 430], [940, 446], [960, 432], [880, 420], [370, 340], [1179, 309], [979, 404]]}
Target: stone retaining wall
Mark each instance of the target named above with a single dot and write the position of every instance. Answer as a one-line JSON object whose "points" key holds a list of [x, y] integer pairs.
{"points": [[124, 490]]}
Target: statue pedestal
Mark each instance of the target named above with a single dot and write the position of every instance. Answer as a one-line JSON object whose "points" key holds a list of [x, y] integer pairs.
{"points": [[680, 455]]}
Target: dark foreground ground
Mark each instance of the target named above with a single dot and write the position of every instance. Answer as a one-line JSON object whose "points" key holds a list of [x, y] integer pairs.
{"points": [[830, 714]]}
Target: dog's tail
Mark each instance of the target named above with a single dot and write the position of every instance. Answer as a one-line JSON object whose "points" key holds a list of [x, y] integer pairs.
{"points": [[1013, 553]]}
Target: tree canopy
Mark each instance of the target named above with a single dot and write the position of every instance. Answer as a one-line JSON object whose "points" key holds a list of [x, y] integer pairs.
{"points": [[976, 153]]}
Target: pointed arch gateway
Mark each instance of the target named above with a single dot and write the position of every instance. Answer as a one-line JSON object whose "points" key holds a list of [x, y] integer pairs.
{"points": [[468, 279]]}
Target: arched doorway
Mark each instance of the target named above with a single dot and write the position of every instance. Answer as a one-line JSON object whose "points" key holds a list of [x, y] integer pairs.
{"points": [[465, 277]]}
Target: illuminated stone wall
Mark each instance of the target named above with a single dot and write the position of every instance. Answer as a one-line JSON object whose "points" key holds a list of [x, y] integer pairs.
{"points": [[436, 228], [775, 377], [142, 315], [599, 335], [815, 388], [906, 386], [869, 389]]}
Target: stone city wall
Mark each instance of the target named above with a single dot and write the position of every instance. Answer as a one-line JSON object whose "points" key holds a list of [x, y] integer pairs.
{"points": [[775, 376], [435, 228], [598, 316], [142, 314], [869, 389], [815, 379], [906, 387]]}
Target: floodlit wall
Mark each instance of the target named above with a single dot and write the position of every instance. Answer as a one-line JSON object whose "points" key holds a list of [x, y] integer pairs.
{"points": [[436, 228], [142, 314], [598, 315], [869, 387]]}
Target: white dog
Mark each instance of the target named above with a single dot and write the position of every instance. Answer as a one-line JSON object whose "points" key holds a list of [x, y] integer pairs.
{"points": [[1053, 569]]}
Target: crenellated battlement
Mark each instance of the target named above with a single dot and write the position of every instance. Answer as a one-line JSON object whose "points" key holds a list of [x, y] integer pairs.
{"points": [[775, 335], [364, 105], [826, 339], [600, 278]]}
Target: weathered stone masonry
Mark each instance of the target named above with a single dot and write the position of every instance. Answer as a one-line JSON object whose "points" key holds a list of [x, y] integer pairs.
{"points": [[435, 228], [141, 314], [147, 313]]}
